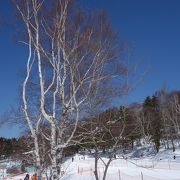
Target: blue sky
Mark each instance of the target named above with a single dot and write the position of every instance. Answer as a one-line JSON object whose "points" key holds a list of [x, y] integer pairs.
{"points": [[153, 25]]}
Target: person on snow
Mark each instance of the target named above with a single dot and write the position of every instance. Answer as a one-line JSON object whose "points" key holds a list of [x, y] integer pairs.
{"points": [[34, 177], [27, 177]]}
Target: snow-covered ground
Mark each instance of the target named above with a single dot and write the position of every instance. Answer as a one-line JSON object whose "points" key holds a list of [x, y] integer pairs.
{"points": [[162, 166], [121, 169]]}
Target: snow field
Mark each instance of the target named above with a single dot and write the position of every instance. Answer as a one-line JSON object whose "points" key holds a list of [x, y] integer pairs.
{"points": [[160, 167], [121, 169]]}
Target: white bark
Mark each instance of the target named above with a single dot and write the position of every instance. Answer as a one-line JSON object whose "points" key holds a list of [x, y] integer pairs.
{"points": [[76, 64], [33, 129]]}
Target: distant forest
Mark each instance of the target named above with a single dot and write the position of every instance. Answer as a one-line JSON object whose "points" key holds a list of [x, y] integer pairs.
{"points": [[154, 122]]}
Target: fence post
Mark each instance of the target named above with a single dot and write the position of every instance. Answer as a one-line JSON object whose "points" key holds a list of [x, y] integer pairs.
{"points": [[99, 173], [81, 171], [169, 164], [119, 174], [141, 175]]}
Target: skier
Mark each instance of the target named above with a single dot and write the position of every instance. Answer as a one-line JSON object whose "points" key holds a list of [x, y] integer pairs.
{"points": [[26, 177]]}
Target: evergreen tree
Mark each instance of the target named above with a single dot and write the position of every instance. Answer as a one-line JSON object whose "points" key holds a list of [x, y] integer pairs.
{"points": [[151, 109]]}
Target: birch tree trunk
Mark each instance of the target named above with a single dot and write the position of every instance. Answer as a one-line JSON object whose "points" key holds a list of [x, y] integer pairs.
{"points": [[53, 152]]}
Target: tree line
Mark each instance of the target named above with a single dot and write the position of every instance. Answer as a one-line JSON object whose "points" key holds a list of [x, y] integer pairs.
{"points": [[13, 147]]}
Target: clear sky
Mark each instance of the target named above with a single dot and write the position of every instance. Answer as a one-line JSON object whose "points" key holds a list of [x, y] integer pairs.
{"points": [[153, 25]]}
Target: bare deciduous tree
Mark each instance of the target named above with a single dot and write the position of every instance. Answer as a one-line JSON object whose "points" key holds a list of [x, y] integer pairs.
{"points": [[71, 52]]}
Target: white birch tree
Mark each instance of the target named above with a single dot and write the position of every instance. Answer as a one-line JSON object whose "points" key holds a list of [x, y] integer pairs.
{"points": [[71, 52]]}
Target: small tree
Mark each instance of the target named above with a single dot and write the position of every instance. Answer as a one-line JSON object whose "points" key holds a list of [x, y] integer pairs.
{"points": [[104, 134]]}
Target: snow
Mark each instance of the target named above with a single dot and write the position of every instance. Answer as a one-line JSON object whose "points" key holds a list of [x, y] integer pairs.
{"points": [[162, 166], [121, 169]]}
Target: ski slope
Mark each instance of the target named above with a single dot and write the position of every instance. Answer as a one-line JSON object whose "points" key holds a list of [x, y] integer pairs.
{"points": [[160, 167]]}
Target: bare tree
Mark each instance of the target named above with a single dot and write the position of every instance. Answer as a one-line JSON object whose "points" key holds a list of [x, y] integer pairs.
{"points": [[170, 113], [70, 53], [102, 136], [144, 123]]}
